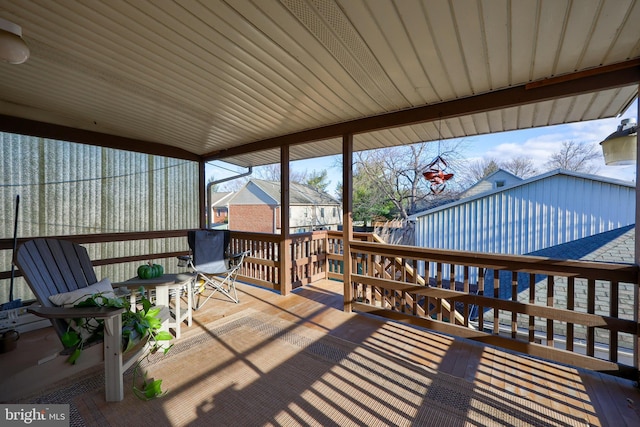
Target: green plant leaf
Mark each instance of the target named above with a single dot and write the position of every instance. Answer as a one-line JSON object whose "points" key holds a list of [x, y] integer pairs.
{"points": [[152, 312], [146, 305], [153, 389], [154, 323], [74, 356], [70, 338], [142, 327], [163, 336], [122, 302]]}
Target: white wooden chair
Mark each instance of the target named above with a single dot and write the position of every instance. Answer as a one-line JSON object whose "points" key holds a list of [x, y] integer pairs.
{"points": [[52, 267]]}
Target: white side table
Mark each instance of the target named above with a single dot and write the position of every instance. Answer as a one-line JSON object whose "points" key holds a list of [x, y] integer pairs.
{"points": [[163, 285]]}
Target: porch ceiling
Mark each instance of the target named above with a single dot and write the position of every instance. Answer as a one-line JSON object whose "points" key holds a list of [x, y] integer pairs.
{"points": [[224, 78]]}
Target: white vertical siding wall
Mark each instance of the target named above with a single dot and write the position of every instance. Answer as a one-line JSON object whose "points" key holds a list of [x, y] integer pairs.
{"points": [[68, 188], [536, 215]]}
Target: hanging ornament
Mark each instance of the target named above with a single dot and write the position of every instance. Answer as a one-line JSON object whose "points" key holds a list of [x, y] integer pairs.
{"points": [[435, 171], [436, 175]]}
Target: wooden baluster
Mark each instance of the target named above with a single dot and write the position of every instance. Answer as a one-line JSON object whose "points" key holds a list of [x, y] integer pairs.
{"points": [[571, 298], [532, 300], [403, 279], [550, 293], [370, 273], [465, 289], [591, 306], [414, 280], [427, 278], [437, 301], [613, 312], [496, 295], [452, 286], [514, 297], [481, 292]]}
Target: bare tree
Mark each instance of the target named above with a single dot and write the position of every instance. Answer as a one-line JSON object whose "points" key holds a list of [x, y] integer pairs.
{"points": [[396, 172], [478, 170], [272, 173], [575, 157], [267, 173], [522, 167], [214, 187]]}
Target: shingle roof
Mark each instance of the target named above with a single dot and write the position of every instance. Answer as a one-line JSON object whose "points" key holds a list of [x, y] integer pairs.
{"points": [[299, 194], [220, 198], [611, 246]]}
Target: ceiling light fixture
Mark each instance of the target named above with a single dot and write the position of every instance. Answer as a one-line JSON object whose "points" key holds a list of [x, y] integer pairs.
{"points": [[620, 148], [13, 49]]}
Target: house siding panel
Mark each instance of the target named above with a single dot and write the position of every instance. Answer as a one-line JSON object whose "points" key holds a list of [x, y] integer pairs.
{"points": [[529, 217]]}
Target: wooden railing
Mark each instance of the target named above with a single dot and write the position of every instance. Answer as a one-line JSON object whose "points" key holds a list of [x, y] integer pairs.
{"points": [[580, 313], [572, 312], [307, 258], [262, 266], [307, 255]]}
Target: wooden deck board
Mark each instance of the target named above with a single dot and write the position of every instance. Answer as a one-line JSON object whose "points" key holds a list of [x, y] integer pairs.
{"points": [[596, 398]]}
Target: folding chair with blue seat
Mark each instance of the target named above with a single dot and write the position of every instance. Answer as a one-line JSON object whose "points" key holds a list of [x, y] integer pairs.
{"points": [[214, 267]]}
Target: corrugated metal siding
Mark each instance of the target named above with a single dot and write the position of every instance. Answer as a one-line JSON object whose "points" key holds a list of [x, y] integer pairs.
{"points": [[530, 217], [68, 188]]}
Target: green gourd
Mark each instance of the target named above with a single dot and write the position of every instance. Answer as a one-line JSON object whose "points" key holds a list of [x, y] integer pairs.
{"points": [[150, 271]]}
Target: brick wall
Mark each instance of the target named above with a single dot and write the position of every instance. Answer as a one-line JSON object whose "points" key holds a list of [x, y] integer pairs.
{"points": [[255, 218], [219, 215]]}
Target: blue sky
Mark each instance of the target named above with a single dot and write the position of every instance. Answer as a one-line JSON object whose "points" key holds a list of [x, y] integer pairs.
{"points": [[537, 143]]}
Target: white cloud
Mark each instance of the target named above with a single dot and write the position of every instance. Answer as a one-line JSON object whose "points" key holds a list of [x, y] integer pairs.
{"points": [[538, 148], [539, 144]]}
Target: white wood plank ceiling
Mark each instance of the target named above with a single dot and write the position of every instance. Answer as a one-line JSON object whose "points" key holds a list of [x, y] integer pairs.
{"points": [[211, 75]]}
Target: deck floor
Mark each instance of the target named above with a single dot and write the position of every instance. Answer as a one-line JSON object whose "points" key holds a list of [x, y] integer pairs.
{"points": [[598, 399]]}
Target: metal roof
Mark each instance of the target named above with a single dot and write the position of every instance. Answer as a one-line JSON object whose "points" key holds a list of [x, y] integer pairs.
{"points": [[231, 77]]}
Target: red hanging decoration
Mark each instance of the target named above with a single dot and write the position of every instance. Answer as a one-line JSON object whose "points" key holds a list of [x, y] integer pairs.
{"points": [[435, 171], [436, 175]]}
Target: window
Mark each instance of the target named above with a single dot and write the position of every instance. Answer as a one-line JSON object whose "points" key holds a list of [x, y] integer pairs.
{"points": [[321, 212], [500, 184]]}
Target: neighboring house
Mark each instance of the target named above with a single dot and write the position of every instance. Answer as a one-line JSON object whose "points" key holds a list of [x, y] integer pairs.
{"points": [[256, 207], [547, 210], [220, 207], [498, 179]]}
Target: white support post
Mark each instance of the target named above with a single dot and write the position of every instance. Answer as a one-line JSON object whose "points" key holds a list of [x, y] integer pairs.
{"points": [[113, 369]]}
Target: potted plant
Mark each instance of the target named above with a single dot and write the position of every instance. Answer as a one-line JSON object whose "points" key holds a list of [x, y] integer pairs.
{"points": [[139, 327]]}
